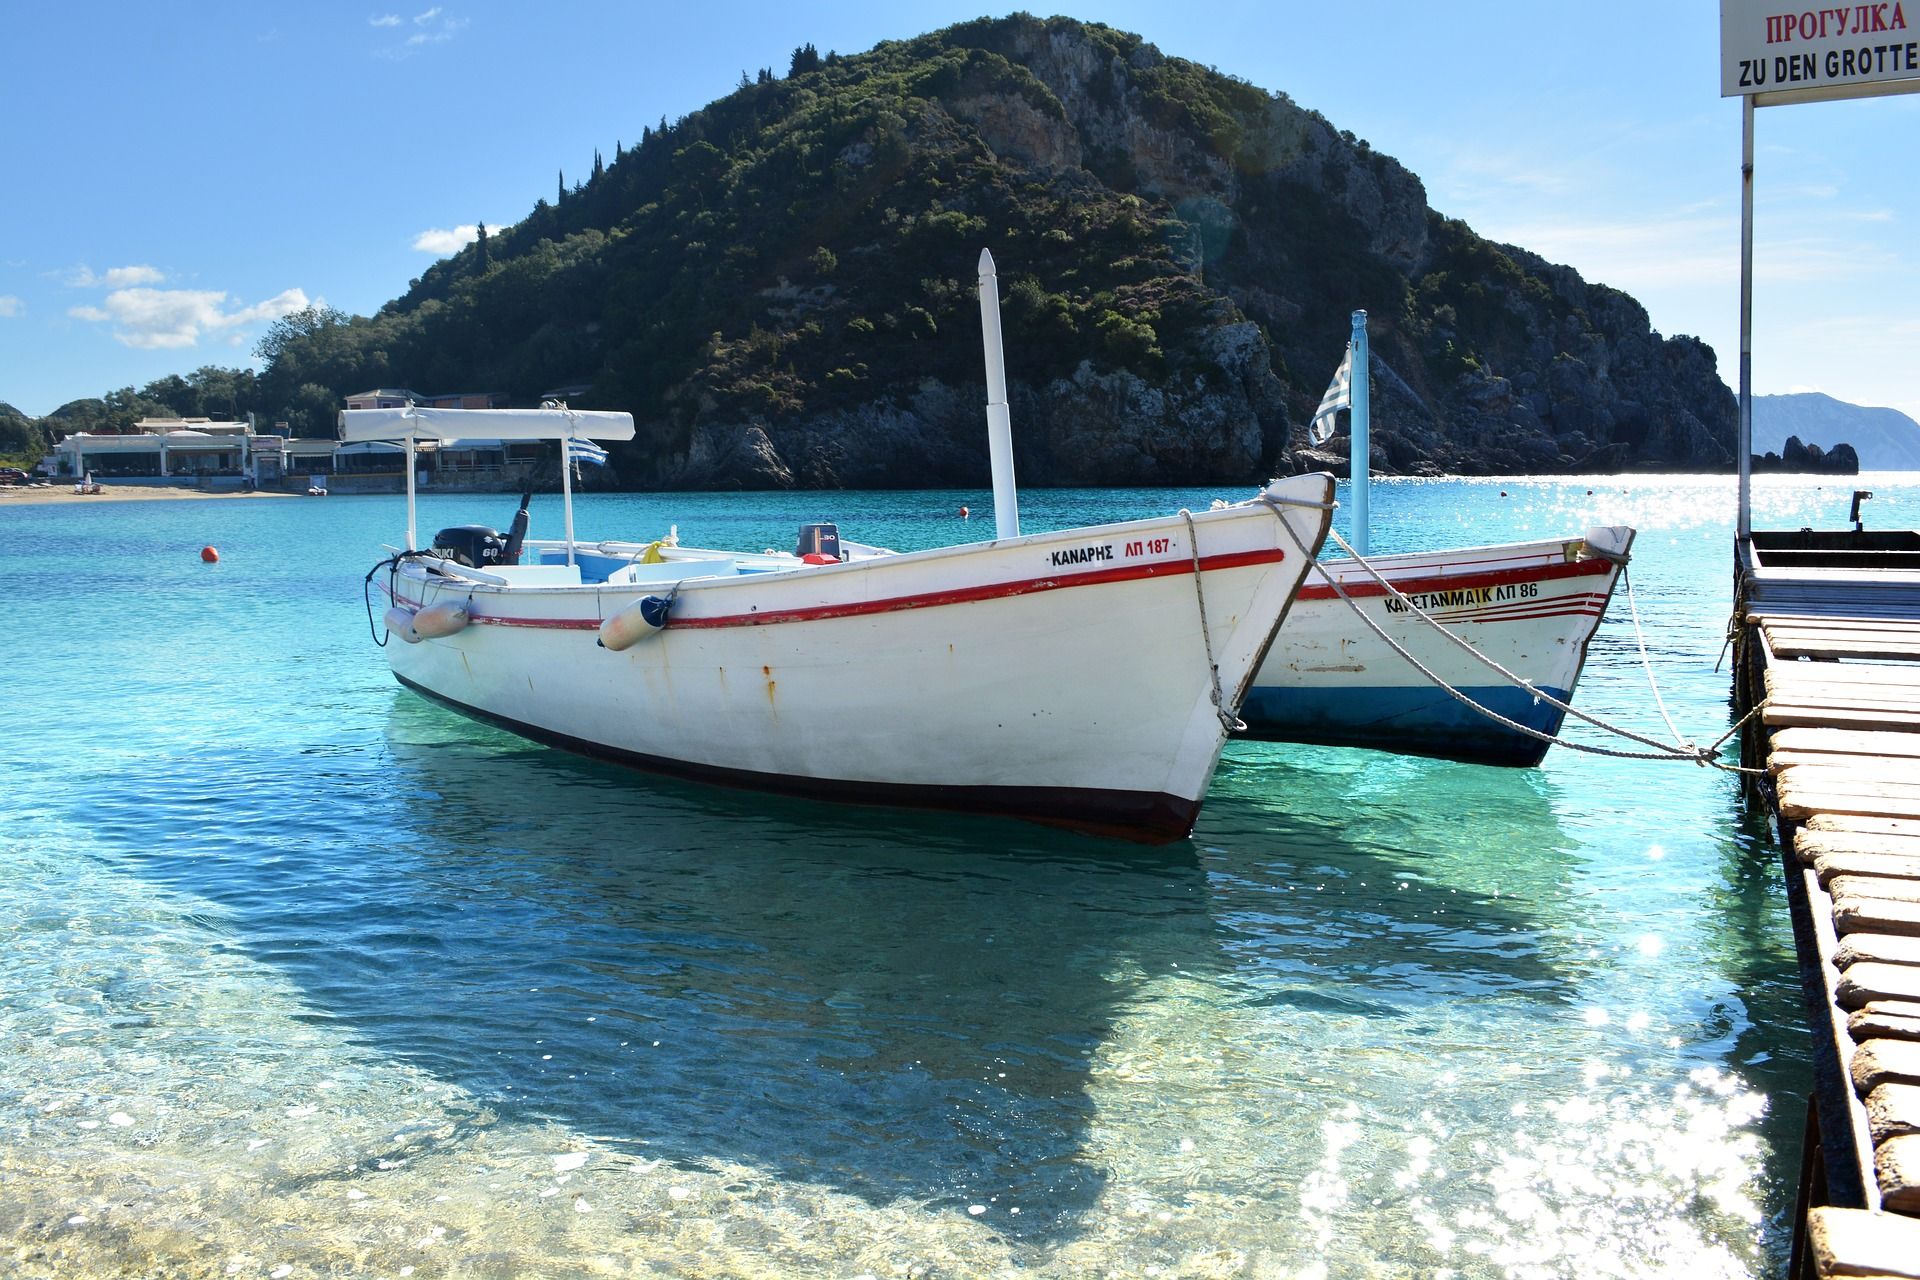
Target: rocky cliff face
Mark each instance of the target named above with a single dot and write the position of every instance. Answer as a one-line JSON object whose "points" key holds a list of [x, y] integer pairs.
{"points": [[1179, 254]]}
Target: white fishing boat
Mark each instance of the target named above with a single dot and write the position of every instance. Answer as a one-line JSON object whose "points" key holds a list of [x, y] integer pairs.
{"points": [[1066, 677], [1086, 677], [1514, 623], [1531, 607]]}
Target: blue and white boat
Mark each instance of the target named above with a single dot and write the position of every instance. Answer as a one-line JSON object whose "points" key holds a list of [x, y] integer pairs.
{"points": [[1531, 607], [1513, 621]]}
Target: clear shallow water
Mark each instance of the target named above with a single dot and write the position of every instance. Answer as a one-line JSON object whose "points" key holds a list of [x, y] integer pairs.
{"points": [[306, 977]]}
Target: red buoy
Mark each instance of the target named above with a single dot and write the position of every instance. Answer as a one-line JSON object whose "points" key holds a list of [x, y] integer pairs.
{"points": [[210, 555], [965, 514]]}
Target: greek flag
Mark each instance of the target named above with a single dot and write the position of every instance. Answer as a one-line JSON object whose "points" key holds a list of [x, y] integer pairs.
{"points": [[586, 451], [1320, 430]]}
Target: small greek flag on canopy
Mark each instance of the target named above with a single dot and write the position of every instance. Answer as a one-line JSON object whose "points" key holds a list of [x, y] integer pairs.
{"points": [[1338, 397], [586, 451]]}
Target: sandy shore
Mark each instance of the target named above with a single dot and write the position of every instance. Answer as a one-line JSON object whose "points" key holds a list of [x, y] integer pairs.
{"points": [[12, 495]]}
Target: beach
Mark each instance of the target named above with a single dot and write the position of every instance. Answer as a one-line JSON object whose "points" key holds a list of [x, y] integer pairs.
{"points": [[63, 492]]}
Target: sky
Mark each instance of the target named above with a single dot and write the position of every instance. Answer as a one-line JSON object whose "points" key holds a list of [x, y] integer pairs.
{"points": [[175, 176]]}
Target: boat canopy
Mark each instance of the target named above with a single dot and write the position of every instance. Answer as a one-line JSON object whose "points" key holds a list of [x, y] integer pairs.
{"points": [[489, 425]]}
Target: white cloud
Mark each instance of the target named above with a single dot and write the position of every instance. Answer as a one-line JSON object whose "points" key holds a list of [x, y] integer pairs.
{"points": [[385, 20], [441, 242], [11, 305], [114, 277], [167, 318], [434, 28]]}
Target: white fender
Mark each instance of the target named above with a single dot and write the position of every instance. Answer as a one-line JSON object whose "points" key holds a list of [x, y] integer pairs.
{"points": [[437, 621], [645, 617], [400, 622]]}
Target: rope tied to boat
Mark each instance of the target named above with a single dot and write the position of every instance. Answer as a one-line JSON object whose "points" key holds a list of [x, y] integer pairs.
{"points": [[1680, 749], [1228, 721]]}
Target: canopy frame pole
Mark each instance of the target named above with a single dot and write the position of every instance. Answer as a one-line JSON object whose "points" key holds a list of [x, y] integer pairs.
{"points": [[566, 476], [413, 540]]}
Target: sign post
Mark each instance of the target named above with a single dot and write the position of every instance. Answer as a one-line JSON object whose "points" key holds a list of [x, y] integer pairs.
{"points": [[1777, 52]]}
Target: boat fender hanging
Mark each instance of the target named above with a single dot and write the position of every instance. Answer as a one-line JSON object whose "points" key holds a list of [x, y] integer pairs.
{"points": [[645, 617], [438, 621], [400, 622]]}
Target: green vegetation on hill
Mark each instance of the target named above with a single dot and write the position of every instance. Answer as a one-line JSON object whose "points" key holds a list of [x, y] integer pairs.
{"points": [[780, 287]]}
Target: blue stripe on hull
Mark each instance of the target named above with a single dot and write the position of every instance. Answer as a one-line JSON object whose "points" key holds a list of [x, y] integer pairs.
{"points": [[1412, 721]]}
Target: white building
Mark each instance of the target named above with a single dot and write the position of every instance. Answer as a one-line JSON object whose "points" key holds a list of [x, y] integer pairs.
{"points": [[164, 447]]}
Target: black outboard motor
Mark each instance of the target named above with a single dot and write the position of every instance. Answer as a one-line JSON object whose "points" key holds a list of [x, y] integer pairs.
{"points": [[473, 545], [819, 540], [517, 532]]}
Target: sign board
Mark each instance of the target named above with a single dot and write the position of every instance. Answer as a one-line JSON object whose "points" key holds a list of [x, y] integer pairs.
{"points": [[1783, 47]]}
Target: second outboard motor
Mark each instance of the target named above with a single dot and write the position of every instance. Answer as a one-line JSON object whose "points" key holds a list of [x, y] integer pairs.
{"points": [[517, 532], [473, 545], [819, 540]]}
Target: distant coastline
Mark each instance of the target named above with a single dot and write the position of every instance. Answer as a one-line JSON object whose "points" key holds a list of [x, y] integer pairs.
{"points": [[44, 495]]}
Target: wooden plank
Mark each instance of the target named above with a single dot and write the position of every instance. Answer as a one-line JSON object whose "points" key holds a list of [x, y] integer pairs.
{"points": [[1893, 1109], [1883, 948], [1875, 1062], [1860, 1242], [1812, 844], [1805, 802], [1874, 673], [1863, 983], [1897, 776], [1791, 715], [1885, 888], [1828, 646], [1828, 866], [1892, 768], [1848, 698], [1872, 1023], [1842, 742], [1876, 915], [1856, 823], [1896, 1163]]}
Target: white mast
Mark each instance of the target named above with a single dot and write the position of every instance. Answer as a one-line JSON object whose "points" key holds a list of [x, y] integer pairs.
{"points": [[1006, 503]]}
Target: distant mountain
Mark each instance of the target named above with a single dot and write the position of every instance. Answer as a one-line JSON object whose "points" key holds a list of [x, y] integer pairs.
{"points": [[1885, 439]]}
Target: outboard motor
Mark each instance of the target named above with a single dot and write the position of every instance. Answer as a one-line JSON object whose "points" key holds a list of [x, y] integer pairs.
{"points": [[821, 540], [473, 545], [517, 532]]}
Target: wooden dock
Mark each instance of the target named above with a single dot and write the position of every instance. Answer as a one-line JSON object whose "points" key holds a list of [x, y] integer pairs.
{"points": [[1828, 648]]}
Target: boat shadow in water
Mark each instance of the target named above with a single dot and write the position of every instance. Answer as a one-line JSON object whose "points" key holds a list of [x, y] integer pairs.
{"points": [[892, 1004], [900, 1006]]}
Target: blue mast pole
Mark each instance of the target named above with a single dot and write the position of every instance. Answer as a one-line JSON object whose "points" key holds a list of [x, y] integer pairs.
{"points": [[1359, 464]]}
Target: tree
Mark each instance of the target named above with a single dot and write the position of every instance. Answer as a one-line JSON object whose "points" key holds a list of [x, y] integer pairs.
{"points": [[806, 58], [482, 251], [289, 330]]}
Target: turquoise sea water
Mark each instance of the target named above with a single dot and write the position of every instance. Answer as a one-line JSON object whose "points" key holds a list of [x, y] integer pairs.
{"points": [[306, 977]]}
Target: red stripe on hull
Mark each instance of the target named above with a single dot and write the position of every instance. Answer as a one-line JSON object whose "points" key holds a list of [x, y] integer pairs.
{"points": [[1494, 578], [925, 600]]}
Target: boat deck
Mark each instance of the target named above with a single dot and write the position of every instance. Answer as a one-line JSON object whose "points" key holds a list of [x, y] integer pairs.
{"points": [[1829, 638]]}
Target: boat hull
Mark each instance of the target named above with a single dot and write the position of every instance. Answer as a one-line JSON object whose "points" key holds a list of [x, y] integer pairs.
{"points": [[1060, 677], [1531, 607]]}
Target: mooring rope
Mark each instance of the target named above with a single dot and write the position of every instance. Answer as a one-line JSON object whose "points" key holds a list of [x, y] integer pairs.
{"points": [[1704, 756], [1228, 721]]}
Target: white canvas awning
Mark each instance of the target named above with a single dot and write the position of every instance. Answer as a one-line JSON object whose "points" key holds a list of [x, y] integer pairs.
{"points": [[491, 425]]}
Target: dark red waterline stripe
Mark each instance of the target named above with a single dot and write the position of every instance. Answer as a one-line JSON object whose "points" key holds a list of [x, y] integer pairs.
{"points": [[1145, 817]]}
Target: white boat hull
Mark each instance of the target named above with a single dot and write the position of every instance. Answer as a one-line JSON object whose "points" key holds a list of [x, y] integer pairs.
{"points": [[1060, 677], [1531, 607]]}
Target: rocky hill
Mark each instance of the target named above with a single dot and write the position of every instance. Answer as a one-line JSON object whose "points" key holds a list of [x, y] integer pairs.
{"points": [[1884, 439], [780, 287]]}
